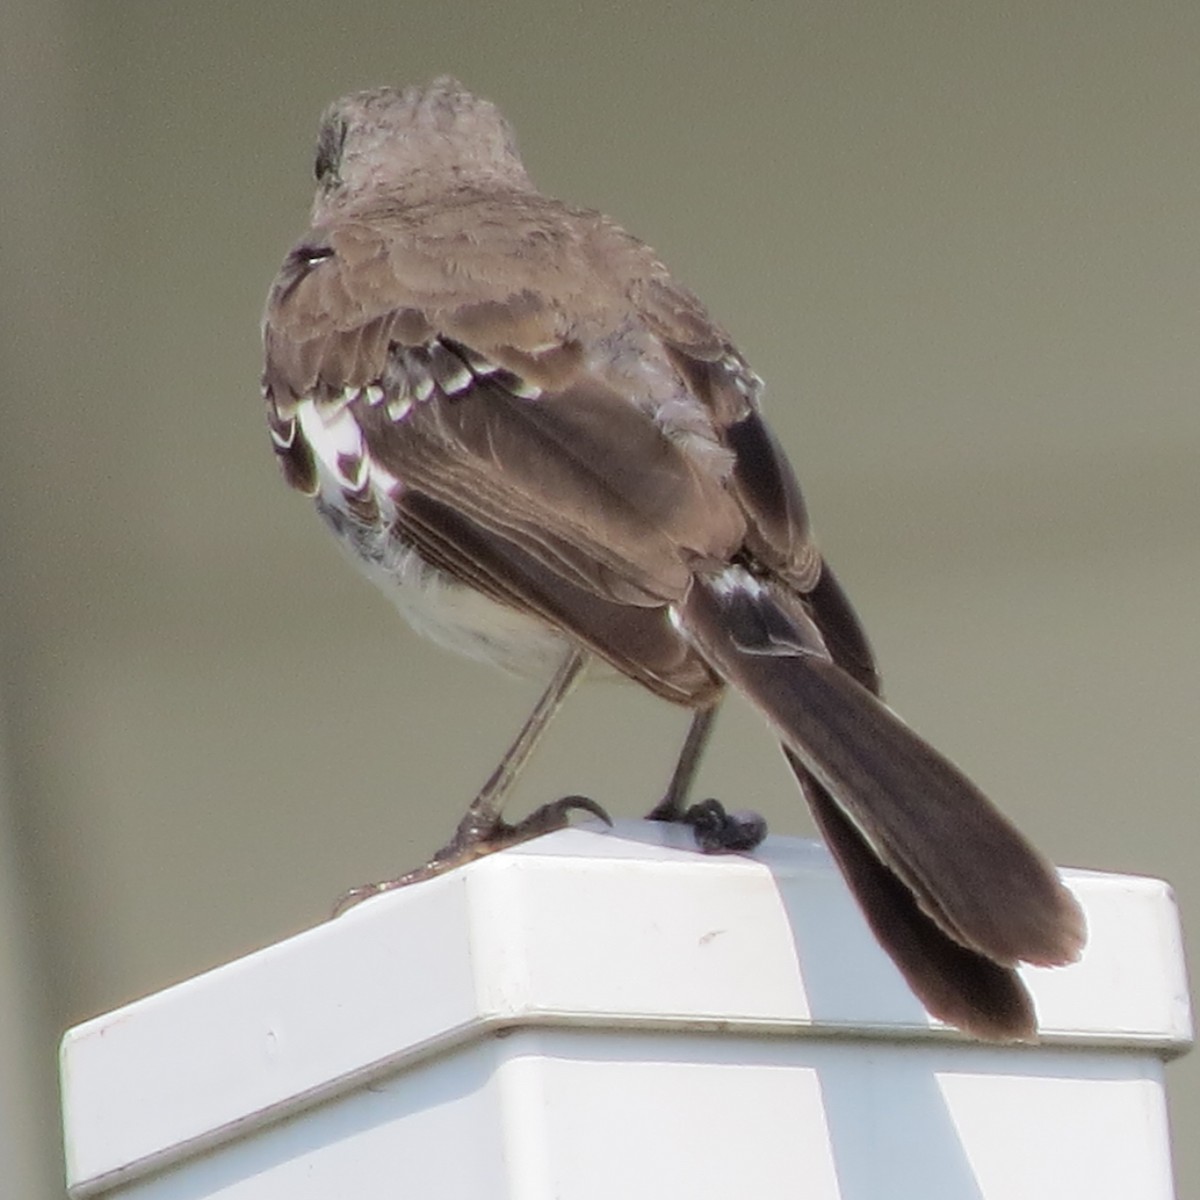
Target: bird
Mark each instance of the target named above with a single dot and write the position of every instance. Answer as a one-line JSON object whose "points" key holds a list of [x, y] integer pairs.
{"points": [[548, 453]]}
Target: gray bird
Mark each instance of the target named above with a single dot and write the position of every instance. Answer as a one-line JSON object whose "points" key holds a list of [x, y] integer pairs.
{"points": [[545, 451]]}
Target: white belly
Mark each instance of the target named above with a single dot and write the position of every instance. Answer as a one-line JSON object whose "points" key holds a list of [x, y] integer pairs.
{"points": [[433, 603], [447, 612]]}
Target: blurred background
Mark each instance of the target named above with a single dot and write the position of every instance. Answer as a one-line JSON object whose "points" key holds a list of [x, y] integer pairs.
{"points": [[960, 242]]}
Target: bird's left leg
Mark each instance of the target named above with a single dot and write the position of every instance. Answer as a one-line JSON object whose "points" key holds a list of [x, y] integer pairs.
{"points": [[715, 829], [483, 829]]}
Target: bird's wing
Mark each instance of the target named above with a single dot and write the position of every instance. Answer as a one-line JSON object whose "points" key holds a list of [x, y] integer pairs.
{"points": [[459, 366], [472, 420]]}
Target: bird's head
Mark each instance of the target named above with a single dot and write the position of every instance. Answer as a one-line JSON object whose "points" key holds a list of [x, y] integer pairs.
{"points": [[412, 144]]}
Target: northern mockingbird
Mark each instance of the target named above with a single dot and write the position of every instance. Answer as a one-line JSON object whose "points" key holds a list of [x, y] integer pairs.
{"points": [[545, 450]]}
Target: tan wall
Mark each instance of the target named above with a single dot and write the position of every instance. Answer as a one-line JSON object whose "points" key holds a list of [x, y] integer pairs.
{"points": [[962, 244]]}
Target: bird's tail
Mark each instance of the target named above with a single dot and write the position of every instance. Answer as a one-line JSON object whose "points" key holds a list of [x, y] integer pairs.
{"points": [[953, 891]]}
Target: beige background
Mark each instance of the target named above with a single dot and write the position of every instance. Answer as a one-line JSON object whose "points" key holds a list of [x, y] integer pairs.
{"points": [[960, 241]]}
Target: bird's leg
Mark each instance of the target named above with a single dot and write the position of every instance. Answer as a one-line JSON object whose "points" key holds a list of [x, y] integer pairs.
{"points": [[482, 824], [482, 829], [716, 830], [671, 806]]}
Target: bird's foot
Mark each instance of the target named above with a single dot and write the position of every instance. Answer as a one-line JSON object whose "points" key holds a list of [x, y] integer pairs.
{"points": [[475, 838], [716, 830]]}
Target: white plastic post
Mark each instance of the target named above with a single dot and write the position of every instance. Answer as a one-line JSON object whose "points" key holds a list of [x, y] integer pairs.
{"points": [[604, 1014]]}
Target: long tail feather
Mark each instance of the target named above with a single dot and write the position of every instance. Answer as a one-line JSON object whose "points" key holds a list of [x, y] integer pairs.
{"points": [[957, 985], [884, 796]]}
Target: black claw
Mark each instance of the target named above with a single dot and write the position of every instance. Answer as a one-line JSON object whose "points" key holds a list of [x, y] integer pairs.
{"points": [[584, 804], [721, 832], [666, 810], [554, 815]]}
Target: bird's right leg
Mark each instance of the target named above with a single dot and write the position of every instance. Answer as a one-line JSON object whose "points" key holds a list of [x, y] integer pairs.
{"points": [[716, 830]]}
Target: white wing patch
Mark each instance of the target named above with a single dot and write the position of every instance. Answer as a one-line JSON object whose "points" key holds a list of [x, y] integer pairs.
{"points": [[345, 468], [336, 442], [283, 434]]}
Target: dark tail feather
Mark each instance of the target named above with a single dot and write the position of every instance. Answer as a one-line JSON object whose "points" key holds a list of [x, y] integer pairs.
{"points": [[894, 798], [955, 984]]}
